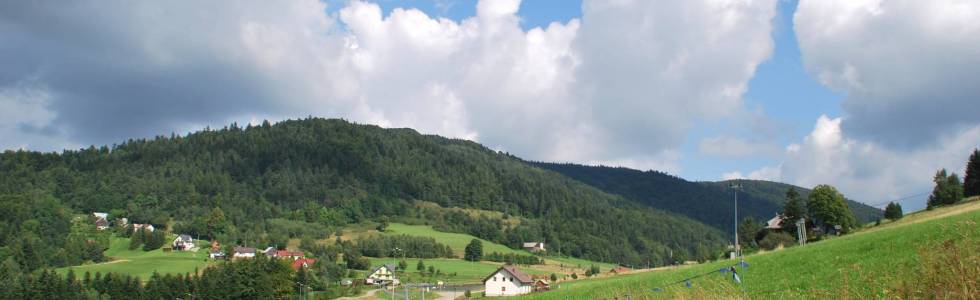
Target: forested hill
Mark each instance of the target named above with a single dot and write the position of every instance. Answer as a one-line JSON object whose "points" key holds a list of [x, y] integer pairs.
{"points": [[708, 202], [309, 177]]}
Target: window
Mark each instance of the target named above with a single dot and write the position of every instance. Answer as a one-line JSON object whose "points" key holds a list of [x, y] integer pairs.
{"points": [[512, 279], [503, 289], [495, 278]]}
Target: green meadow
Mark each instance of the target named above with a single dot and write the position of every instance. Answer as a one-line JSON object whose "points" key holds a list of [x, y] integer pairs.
{"points": [[457, 241], [920, 255], [143, 263]]}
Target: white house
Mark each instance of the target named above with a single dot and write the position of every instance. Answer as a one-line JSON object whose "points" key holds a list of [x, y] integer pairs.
{"points": [[534, 246], [216, 254], [147, 227], [183, 242], [381, 275], [243, 252], [508, 281]]}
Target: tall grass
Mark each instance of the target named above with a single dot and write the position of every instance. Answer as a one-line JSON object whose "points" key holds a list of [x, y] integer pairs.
{"points": [[950, 268]]}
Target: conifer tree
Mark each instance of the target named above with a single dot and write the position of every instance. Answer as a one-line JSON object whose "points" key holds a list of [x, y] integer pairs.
{"points": [[948, 189], [893, 211], [971, 180], [793, 210]]}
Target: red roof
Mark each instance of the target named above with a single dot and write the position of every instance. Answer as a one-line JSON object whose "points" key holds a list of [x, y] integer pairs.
{"points": [[308, 262]]}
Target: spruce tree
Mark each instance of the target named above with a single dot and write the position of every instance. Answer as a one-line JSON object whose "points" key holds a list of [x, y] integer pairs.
{"points": [[793, 210], [893, 211], [948, 190], [971, 180]]}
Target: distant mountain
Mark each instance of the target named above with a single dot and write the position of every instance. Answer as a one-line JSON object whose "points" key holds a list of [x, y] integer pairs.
{"points": [[306, 178], [708, 202]]}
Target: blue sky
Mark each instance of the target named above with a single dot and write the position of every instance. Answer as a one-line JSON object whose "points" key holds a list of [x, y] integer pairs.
{"points": [[850, 93]]}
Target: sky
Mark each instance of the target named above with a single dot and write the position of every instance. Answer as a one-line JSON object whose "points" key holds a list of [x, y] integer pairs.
{"points": [[870, 96]]}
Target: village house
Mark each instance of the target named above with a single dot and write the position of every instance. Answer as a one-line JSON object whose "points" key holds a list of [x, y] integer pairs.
{"points": [[294, 255], [216, 252], [101, 220], [147, 227], [183, 242], [243, 252], [101, 224], [534, 246], [541, 285], [508, 281], [303, 263], [269, 252], [775, 223], [122, 222], [381, 275]]}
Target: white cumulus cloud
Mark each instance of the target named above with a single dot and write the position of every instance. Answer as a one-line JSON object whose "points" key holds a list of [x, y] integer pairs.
{"points": [[622, 85]]}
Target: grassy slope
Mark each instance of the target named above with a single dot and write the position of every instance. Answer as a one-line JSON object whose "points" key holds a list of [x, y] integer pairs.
{"points": [[143, 264], [470, 272], [457, 241], [866, 264]]}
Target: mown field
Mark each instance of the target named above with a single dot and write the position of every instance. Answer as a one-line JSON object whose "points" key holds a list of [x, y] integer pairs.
{"points": [[143, 263], [921, 255], [473, 272], [457, 241]]}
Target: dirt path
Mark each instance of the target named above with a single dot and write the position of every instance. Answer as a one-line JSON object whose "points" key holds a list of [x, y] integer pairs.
{"points": [[105, 263]]}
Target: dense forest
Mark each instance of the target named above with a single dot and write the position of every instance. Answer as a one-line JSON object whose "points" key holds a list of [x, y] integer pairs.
{"points": [[307, 178], [709, 202]]}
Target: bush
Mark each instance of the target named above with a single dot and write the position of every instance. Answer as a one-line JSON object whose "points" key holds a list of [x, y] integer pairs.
{"points": [[774, 239]]}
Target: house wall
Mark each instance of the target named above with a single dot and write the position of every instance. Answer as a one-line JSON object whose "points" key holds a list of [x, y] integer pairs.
{"points": [[505, 285], [382, 273]]}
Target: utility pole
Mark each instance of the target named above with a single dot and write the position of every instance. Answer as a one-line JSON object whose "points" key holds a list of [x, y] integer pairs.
{"points": [[735, 186]]}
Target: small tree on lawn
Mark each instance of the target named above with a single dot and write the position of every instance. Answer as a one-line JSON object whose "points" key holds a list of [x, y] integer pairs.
{"points": [[420, 267], [473, 251], [383, 224], [136, 239], [403, 265], [948, 190], [747, 232], [893, 211], [828, 206]]}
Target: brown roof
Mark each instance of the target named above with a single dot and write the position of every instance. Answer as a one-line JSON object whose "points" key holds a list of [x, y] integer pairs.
{"points": [[285, 253], [521, 276]]}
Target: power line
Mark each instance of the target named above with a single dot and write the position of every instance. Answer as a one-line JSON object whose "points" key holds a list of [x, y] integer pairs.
{"points": [[880, 204]]}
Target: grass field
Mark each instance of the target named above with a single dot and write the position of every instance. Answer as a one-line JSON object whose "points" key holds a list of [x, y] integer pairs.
{"points": [[457, 241], [143, 264], [880, 262], [472, 272], [466, 271]]}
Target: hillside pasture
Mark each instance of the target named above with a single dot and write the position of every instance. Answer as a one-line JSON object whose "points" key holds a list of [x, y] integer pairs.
{"points": [[880, 262], [143, 263]]}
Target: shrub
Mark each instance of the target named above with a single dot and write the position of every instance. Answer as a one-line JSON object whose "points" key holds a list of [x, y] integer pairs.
{"points": [[774, 239]]}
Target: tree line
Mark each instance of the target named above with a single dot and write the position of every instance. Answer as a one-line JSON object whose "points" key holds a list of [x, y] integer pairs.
{"points": [[258, 278], [948, 188]]}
